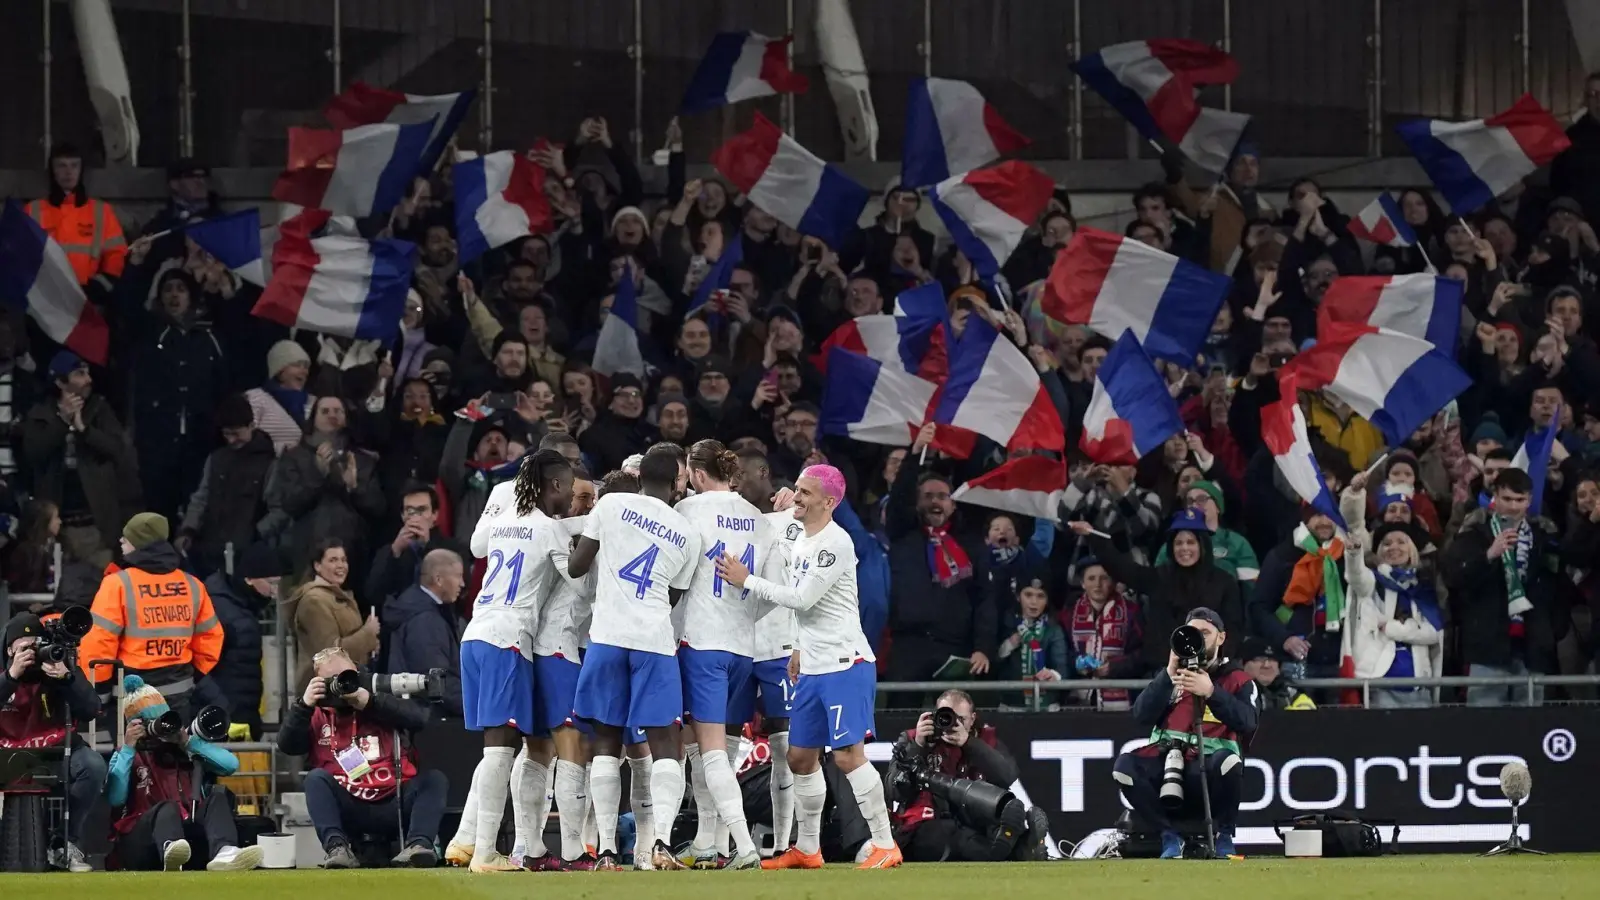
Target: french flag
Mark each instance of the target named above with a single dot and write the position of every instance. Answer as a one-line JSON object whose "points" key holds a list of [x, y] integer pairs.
{"points": [[1115, 284], [721, 274], [1283, 430], [742, 65], [35, 276], [989, 211], [994, 390], [1153, 84], [361, 172], [1131, 411], [1421, 305], [1381, 223], [1032, 485], [1393, 380], [925, 301], [951, 129], [871, 402], [338, 285], [499, 198], [1533, 457], [235, 240], [914, 345], [363, 104], [1473, 162], [791, 183], [617, 347]]}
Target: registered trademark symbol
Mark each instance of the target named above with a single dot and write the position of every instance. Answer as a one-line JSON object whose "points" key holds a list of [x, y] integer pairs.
{"points": [[1560, 745]]}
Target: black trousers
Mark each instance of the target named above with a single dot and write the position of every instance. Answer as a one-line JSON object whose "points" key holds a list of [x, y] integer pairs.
{"points": [[960, 838], [211, 829], [1139, 778], [337, 815]]}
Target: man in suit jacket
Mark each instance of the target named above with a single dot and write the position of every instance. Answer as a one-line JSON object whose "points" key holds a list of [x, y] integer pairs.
{"points": [[423, 627]]}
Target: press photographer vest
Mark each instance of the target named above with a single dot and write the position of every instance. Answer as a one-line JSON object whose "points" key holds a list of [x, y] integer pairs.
{"points": [[952, 762], [333, 730], [25, 720], [1178, 723], [157, 777]]}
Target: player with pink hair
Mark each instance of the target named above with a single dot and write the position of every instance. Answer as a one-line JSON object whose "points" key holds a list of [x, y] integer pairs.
{"points": [[832, 705]]}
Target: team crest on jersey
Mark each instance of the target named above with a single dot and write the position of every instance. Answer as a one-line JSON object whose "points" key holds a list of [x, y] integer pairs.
{"points": [[792, 533], [825, 559], [492, 510]]}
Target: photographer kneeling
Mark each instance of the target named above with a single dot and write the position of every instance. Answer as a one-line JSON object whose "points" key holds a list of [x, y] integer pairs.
{"points": [[948, 788], [349, 736], [1162, 778], [41, 694]]}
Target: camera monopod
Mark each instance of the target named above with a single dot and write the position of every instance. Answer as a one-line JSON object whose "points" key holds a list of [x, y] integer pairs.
{"points": [[1205, 785]]}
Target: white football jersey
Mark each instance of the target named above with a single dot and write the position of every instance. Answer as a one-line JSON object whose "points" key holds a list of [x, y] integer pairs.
{"points": [[645, 549], [821, 589], [716, 615], [564, 615], [519, 575], [776, 630]]}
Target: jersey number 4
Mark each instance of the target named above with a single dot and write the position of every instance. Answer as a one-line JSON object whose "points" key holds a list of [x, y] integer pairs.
{"points": [[513, 570], [747, 558], [637, 571]]}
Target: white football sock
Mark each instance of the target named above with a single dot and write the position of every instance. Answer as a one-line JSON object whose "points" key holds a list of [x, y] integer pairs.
{"points": [[666, 791], [494, 782], [725, 793], [810, 795], [467, 831], [532, 783], [605, 787], [867, 785], [520, 814], [781, 784], [591, 831], [541, 816], [644, 816], [739, 748], [704, 807], [573, 801]]}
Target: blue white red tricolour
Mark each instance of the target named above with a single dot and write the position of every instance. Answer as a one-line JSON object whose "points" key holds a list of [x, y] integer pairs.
{"points": [[1393, 380], [1382, 223], [616, 349], [363, 104], [951, 129], [235, 240], [1421, 305], [791, 183], [1115, 284], [361, 172], [499, 198], [36, 276], [1533, 457], [1153, 84], [742, 65], [338, 285], [718, 279], [1131, 411], [925, 301], [914, 345], [989, 211], [994, 390], [1473, 162], [1283, 430], [871, 402], [1032, 485]]}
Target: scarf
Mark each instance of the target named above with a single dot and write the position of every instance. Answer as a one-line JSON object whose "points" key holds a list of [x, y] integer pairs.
{"points": [[1031, 637], [1514, 562], [420, 418], [485, 477], [293, 401], [1000, 557], [1412, 594], [947, 562], [1316, 574], [1103, 636]]}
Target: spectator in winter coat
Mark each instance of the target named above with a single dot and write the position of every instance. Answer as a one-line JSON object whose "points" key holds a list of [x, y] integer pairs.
{"points": [[1302, 589], [325, 614], [872, 248], [231, 497], [30, 562], [424, 628], [496, 445], [1011, 563], [621, 430], [241, 600], [398, 566], [1229, 550], [282, 404], [412, 436], [1230, 206], [1263, 664], [1106, 497], [1035, 647], [1105, 634], [189, 199], [326, 488]]}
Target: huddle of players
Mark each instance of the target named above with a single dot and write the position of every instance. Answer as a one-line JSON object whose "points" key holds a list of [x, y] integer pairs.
{"points": [[683, 609]]}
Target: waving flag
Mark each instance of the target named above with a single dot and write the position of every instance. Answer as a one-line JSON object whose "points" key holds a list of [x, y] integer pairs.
{"points": [[994, 390], [1533, 457], [363, 104], [1473, 162], [742, 65], [872, 402], [361, 172], [1031, 485], [914, 345], [36, 276], [925, 301], [1394, 380], [1381, 223], [1115, 284], [1283, 430], [791, 183], [499, 198], [1131, 411], [950, 129], [1422, 305], [338, 285], [989, 211], [235, 240], [720, 276], [617, 347], [1153, 84]]}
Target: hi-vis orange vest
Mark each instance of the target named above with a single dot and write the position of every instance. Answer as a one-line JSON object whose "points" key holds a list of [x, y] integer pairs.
{"points": [[151, 621], [90, 234]]}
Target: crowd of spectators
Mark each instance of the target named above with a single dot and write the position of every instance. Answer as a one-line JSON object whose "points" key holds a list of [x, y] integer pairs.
{"points": [[356, 468]]}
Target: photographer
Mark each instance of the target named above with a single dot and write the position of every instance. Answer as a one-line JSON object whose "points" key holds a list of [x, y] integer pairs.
{"points": [[1231, 708], [935, 765], [40, 696], [348, 735]]}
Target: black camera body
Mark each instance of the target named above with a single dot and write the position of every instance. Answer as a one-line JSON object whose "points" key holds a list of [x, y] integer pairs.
{"points": [[340, 686], [973, 800], [59, 643]]}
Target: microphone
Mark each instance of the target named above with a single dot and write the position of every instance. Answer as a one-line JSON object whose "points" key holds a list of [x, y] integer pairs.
{"points": [[1515, 782]]}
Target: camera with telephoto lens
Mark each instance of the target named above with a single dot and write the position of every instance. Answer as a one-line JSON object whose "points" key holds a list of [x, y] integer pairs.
{"points": [[1189, 645], [210, 723], [62, 634], [340, 686], [410, 684], [977, 801]]}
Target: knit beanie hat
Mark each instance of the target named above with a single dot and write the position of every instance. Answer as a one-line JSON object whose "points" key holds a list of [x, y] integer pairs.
{"points": [[23, 624], [141, 699], [1417, 538], [634, 211], [145, 529], [284, 354], [1211, 487], [1488, 429]]}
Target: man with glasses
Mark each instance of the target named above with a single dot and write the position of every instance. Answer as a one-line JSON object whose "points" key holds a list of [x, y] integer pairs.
{"points": [[398, 567], [1229, 550], [621, 429], [713, 412]]}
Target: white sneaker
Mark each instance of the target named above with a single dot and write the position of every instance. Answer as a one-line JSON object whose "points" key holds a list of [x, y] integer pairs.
{"points": [[70, 859], [235, 859], [174, 854]]}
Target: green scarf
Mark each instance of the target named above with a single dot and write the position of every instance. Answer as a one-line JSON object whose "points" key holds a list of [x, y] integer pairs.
{"points": [[1514, 562], [1302, 584], [1031, 632]]}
